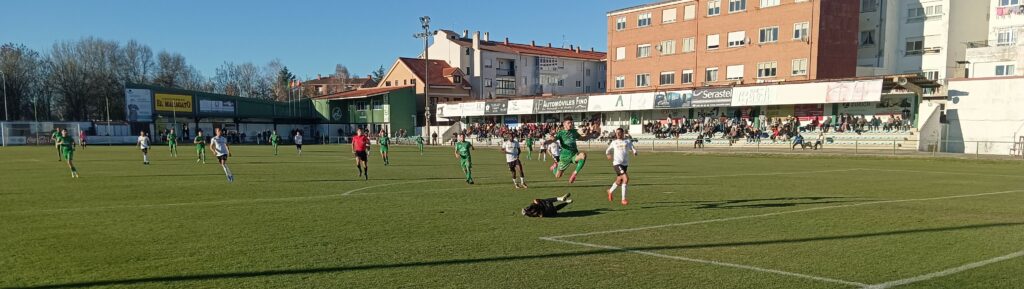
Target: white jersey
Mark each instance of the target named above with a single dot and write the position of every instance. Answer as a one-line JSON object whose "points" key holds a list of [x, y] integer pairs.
{"points": [[555, 147], [219, 144], [620, 151], [143, 142], [511, 150], [298, 139]]}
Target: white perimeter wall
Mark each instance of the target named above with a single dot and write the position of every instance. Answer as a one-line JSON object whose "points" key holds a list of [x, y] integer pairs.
{"points": [[985, 110]]}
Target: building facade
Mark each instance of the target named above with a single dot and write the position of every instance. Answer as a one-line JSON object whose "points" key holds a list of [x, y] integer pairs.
{"points": [[509, 70], [1002, 54], [693, 43], [929, 37]]}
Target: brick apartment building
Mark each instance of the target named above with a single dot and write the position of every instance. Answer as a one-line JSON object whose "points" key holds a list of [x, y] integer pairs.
{"points": [[681, 44]]}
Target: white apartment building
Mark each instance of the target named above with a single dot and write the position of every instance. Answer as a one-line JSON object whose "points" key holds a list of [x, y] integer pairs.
{"points": [[930, 37], [501, 69], [1002, 54]]}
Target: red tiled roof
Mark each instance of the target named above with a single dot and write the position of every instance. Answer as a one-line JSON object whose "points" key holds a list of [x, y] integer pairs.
{"points": [[516, 48], [439, 70], [360, 93], [328, 80]]}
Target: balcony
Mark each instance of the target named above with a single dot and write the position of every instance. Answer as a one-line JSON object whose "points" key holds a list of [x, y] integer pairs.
{"points": [[506, 72]]}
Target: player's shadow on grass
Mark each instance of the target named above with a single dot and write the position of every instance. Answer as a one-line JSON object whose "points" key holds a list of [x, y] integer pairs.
{"points": [[341, 269], [773, 202], [582, 213]]}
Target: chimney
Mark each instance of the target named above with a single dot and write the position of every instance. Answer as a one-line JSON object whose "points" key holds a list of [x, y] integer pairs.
{"points": [[533, 43], [577, 49], [506, 40], [487, 36], [591, 49], [465, 33], [570, 47], [549, 45], [370, 76], [318, 76]]}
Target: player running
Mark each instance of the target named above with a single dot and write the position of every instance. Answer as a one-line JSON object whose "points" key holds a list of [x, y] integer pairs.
{"points": [[462, 152], [360, 144], [81, 138], [67, 148], [274, 139], [419, 143], [143, 144], [529, 146], [618, 152], [172, 143], [511, 149], [54, 135], [569, 153], [298, 142], [551, 147], [200, 142], [219, 147], [384, 141]]}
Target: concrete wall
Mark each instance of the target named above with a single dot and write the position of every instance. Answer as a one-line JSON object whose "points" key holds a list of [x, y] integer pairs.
{"points": [[984, 110]]}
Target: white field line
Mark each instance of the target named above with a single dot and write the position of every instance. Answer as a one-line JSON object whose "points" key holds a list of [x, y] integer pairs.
{"points": [[710, 262], [944, 173], [777, 214], [946, 272]]}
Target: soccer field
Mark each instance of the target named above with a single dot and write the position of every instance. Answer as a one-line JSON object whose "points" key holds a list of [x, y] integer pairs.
{"points": [[694, 221]]}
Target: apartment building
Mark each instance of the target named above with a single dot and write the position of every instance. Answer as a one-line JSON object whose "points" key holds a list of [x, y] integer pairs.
{"points": [[693, 43], [1002, 54]]}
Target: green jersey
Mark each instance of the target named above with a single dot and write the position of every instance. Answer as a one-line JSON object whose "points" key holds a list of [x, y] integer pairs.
{"points": [[529, 142], [419, 140], [568, 139], [274, 138], [384, 141], [200, 141], [462, 148], [171, 138], [66, 143], [55, 135]]}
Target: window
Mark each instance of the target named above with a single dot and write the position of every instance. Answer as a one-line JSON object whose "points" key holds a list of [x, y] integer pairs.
{"points": [[688, 44], [934, 10], [800, 30], [620, 24], [620, 53], [362, 105], [868, 6], [378, 104], [769, 3], [1005, 70], [668, 15], [714, 7], [1006, 37], [737, 39], [800, 66], [587, 73], [1009, 2], [579, 83], [767, 69], [734, 72], [643, 20], [668, 78], [487, 82], [712, 41], [412, 81], [643, 80], [737, 5], [620, 81], [643, 50], [915, 46], [457, 79], [768, 35], [387, 83], [867, 38], [561, 82], [689, 12], [931, 75], [668, 47], [921, 13], [686, 77], [711, 74]]}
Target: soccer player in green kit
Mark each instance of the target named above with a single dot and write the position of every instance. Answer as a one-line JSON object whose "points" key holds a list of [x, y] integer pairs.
{"points": [[419, 143], [172, 142], [529, 146], [568, 137], [384, 142], [462, 148], [66, 144], [274, 138], [200, 142], [54, 137]]}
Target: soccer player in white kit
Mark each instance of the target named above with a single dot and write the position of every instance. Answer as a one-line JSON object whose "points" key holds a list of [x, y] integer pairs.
{"points": [[219, 147], [511, 149], [298, 142], [143, 143], [618, 152], [554, 149]]}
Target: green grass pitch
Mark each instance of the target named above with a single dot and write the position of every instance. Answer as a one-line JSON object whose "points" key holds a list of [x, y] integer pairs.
{"points": [[694, 221]]}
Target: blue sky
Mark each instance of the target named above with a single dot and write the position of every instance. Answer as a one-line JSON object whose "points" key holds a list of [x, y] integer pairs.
{"points": [[310, 37]]}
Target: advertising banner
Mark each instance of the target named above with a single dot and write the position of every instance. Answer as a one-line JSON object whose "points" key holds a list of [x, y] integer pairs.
{"points": [[173, 102], [216, 106], [754, 95], [496, 107], [803, 93], [641, 101], [562, 104], [138, 104], [673, 99], [854, 91], [520, 106], [712, 97], [610, 102], [472, 108], [902, 104]]}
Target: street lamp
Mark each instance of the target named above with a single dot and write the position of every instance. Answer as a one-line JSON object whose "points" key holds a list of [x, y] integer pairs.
{"points": [[425, 22]]}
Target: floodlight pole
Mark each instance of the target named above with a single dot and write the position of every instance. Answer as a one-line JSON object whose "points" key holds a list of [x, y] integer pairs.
{"points": [[425, 22], [4, 79]]}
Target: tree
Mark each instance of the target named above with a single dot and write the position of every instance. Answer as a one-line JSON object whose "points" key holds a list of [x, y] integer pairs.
{"points": [[244, 80], [341, 76], [378, 74], [171, 70], [135, 63], [282, 85], [22, 70], [83, 74]]}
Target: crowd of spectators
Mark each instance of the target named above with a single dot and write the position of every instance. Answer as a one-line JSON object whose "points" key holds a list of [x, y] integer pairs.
{"points": [[775, 129]]}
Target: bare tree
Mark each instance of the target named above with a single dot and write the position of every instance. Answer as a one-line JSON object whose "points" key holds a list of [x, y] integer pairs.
{"points": [[83, 74], [135, 63], [171, 69], [341, 76], [245, 80], [22, 70]]}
